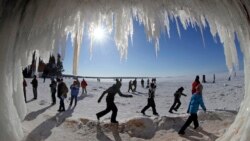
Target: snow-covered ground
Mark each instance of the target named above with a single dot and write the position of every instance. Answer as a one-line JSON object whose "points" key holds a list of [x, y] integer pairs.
{"points": [[222, 100]]}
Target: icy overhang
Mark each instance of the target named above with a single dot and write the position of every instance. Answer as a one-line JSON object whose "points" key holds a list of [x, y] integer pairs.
{"points": [[44, 25]]}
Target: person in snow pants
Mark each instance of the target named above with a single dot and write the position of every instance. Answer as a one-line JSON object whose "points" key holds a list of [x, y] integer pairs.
{"points": [[24, 89], [135, 85], [147, 84], [151, 101], [62, 91], [142, 83], [177, 102], [34, 84], [53, 91], [111, 91], [195, 102], [74, 92], [84, 86], [130, 86]]}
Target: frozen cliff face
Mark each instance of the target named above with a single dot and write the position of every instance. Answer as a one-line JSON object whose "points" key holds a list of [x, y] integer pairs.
{"points": [[44, 25]]}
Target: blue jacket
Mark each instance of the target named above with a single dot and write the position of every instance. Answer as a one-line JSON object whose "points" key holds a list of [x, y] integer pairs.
{"points": [[74, 90], [195, 102]]}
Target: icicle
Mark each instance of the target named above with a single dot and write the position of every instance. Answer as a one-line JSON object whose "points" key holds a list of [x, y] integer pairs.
{"points": [[166, 23], [131, 30], [202, 36], [76, 54], [178, 28], [157, 47]]}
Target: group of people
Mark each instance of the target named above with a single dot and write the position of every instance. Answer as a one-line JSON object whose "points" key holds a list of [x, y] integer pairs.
{"points": [[111, 91], [132, 85], [195, 102], [61, 88], [142, 83], [34, 84], [62, 91]]}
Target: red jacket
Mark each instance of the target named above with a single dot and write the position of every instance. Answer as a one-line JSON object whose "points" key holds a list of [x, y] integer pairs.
{"points": [[194, 85], [84, 84]]}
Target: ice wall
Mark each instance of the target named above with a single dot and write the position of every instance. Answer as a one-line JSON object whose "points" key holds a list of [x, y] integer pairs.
{"points": [[43, 25]]}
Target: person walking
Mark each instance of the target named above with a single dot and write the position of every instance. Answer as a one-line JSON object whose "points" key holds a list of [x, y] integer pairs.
{"points": [[62, 91], [147, 84], [78, 82], [111, 91], [135, 85], [53, 91], [151, 101], [130, 86], [195, 102], [34, 84], [24, 90], [44, 78], [195, 84], [142, 83], [74, 92], [177, 102], [84, 86]]}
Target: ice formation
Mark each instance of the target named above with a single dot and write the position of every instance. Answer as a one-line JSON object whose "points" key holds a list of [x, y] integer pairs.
{"points": [[44, 25]]}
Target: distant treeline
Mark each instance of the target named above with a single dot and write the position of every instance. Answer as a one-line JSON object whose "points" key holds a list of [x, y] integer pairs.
{"points": [[53, 68]]}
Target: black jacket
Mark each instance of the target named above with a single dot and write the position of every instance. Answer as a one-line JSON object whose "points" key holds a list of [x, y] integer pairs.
{"points": [[111, 91], [61, 89], [53, 86], [151, 93], [34, 83]]}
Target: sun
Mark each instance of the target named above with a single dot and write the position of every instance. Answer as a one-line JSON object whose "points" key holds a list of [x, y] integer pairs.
{"points": [[97, 33]]}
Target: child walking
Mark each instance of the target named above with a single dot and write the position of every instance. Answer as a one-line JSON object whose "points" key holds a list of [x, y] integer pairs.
{"points": [[177, 102], [195, 102], [151, 101]]}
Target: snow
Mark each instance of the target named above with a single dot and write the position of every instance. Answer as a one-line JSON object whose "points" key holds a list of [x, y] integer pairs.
{"points": [[43, 122], [26, 26]]}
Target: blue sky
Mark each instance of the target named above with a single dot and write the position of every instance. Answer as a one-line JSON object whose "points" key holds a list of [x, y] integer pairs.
{"points": [[177, 56]]}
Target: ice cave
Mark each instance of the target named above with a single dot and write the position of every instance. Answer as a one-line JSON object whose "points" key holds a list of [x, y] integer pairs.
{"points": [[43, 25]]}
